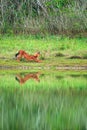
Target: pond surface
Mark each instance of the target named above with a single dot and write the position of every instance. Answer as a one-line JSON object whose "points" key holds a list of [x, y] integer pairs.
{"points": [[43, 101]]}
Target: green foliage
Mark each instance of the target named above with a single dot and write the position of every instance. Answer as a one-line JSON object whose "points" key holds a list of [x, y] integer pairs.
{"points": [[58, 3], [51, 16]]}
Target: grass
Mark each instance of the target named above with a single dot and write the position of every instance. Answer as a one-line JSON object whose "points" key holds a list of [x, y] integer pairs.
{"points": [[57, 102], [54, 50], [59, 79], [36, 111]]}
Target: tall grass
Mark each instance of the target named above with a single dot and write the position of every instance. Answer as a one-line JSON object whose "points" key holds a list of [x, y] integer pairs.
{"points": [[11, 44], [58, 101], [36, 111], [25, 109], [35, 17]]}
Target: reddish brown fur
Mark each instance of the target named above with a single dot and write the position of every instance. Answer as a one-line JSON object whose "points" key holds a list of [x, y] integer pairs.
{"points": [[22, 80], [22, 54]]}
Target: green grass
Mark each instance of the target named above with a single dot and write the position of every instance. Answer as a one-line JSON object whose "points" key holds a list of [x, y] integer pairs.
{"points": [[37, 111], [57, 102], [50, 47], [32, 44], [59, 79]]}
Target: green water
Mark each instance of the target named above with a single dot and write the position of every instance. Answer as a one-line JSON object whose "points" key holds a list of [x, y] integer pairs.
{"points": [[43, 101]]}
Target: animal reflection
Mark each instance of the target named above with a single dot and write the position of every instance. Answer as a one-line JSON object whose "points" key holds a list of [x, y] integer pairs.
{"points": [[22, 79]]}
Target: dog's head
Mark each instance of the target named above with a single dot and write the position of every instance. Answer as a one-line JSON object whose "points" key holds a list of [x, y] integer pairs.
{"points": [[37, 54]]}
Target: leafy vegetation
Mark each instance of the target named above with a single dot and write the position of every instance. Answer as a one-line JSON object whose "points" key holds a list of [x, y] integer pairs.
{"points": [[44, 16]]}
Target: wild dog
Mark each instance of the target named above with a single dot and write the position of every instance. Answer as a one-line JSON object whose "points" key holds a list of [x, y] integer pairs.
{"points": [[22, 54], [23, 79]]}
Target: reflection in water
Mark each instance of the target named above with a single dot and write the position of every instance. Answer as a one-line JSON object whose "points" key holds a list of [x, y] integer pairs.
{"points": [[23, 78], [58, 102], [50, 80]]}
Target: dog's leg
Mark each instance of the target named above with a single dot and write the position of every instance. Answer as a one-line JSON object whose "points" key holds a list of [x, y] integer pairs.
{"points": [[19, 57], [37, 60]]}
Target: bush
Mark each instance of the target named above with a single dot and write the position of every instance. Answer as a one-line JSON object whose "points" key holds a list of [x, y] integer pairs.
{"points": [[52, 16]]}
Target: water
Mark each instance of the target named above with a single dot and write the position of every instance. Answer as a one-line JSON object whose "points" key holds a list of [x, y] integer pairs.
{"points": [[43, 101]]}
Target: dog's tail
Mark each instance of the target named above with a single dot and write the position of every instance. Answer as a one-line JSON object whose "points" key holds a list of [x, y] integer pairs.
{"points": [[17, 79], [16, 54]]}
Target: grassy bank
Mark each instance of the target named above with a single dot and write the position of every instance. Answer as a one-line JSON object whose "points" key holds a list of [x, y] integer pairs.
{"points": [[54, 50]]}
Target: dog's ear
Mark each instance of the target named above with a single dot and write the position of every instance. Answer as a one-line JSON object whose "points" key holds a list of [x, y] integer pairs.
{"points": [[38, 52]]}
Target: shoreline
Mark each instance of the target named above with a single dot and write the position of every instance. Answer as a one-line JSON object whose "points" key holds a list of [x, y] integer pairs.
{"points": [[66, 67]]}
